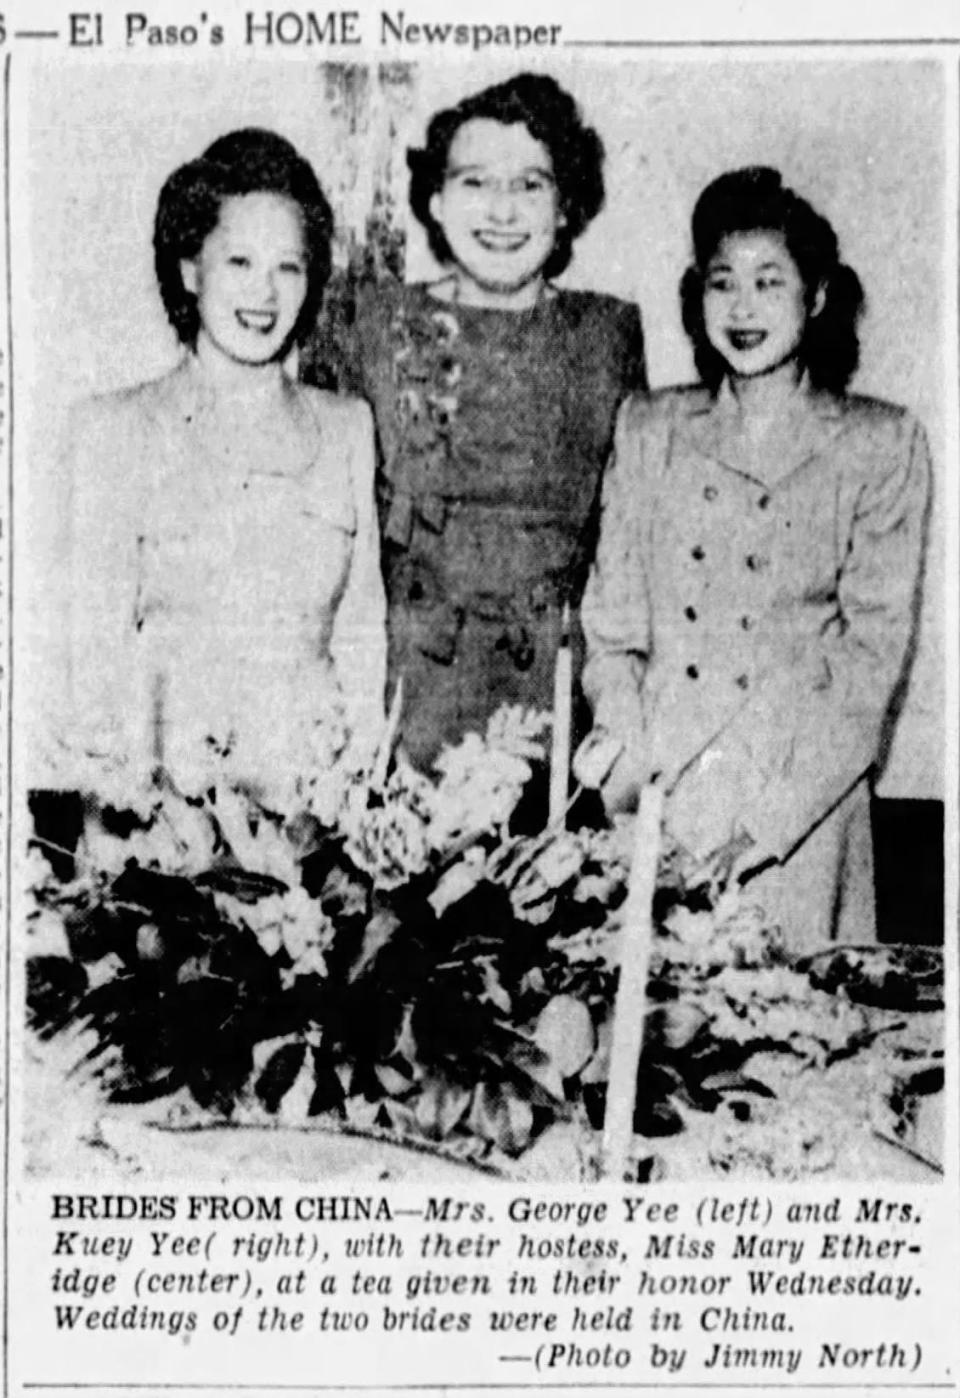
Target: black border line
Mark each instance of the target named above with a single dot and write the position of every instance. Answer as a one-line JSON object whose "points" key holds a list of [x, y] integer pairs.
{"points": [[635, 1387], [6, 811], [942, 41]]}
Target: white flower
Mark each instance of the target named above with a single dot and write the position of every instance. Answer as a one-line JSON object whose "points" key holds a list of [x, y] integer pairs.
{"points": [[37, 870], [560, 861], [46, 934], [192, 831], [387, 830], [305, 926], [98, 849], [459, 880], [517, 730]]}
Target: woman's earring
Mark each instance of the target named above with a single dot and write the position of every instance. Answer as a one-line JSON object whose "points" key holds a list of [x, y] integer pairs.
{"points": [[188, 275]]}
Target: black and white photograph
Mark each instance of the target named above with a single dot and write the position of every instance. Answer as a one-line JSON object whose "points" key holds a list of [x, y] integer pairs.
{"points": [[480, 576], [479, 618]]}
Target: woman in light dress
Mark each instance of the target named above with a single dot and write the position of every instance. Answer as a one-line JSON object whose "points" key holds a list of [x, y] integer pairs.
{"points": [[225, 603]]}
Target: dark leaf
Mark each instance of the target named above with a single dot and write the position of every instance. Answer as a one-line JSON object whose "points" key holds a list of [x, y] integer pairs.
{"points": [[164, 896], [124, 1085], [55, 988], [279, 1074], [330, 875], [484, 914], [365, 1083], [94, 932], [656, 1118], [327, 1086], [365, 1022], [735, 1081], [499, 1115], [240, 883], [439, 1107], [381, 927], [328, 1094], [216, 1080]]}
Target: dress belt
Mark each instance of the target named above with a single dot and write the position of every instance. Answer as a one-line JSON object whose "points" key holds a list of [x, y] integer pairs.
{"points": [[513, 619]]}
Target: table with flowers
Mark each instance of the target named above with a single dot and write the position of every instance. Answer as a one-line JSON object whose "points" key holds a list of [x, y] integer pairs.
{"points": [[397, 975]]}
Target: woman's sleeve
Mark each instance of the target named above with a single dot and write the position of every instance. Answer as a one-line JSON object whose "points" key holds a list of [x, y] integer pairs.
{"points": [[615, 611], [359, 641], [816, 722]]}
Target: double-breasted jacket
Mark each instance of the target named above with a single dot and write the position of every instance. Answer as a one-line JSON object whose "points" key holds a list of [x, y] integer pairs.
{"points": [[750, 619]]}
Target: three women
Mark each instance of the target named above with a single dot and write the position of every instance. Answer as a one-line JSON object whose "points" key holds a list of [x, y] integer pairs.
{"points": [[494, 394], [752, 598]]}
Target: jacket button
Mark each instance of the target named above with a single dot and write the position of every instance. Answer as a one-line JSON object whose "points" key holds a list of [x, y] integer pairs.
{"points": [[697, 553], [690, 613], [693, 672]]}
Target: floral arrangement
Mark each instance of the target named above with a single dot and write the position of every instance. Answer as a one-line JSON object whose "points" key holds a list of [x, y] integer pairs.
{"points": [[389, 950]]}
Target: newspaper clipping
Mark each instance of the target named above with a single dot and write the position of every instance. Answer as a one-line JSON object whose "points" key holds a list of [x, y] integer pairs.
{"points": [[480, 556]]}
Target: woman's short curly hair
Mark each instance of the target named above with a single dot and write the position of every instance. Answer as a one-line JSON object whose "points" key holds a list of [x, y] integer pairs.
{"points": [[754, 198], [250, 161], [552, 117]]}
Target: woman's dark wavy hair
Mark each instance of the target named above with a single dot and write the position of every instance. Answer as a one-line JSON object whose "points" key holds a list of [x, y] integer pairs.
{"points": [[756, 198], [552, 117], [250, 161]]}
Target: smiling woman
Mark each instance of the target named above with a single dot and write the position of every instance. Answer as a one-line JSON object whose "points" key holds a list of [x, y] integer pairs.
{"points": [[752, 611], [222, 572], [249, 278], [494, 394], [496, 215], [755, 302]]}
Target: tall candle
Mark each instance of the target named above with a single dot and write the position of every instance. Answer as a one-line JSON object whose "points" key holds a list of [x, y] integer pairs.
{"points": [[562, 723], [629, 1014], [381, 760]]}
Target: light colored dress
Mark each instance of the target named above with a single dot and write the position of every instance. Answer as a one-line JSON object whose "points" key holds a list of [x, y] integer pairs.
{"points": [[218, 608], [754, 623]]}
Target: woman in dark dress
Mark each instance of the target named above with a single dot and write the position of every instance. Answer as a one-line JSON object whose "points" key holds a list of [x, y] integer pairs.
{"points": [[494, 394]]}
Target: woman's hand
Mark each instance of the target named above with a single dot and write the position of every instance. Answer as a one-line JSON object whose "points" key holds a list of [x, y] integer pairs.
{"points": [[595, 758], [729, 865], [613, 766]]}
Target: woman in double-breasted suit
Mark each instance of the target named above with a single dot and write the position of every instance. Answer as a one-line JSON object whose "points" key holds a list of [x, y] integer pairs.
{"points": [[751, 612]]}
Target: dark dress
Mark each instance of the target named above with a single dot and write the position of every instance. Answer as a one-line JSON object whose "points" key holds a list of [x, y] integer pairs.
{"points": [[493, 429]]}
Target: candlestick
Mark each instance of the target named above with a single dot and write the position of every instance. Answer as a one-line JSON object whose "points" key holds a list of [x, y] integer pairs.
{"points": [[629, 1014], [381, 759], [562, 725]]}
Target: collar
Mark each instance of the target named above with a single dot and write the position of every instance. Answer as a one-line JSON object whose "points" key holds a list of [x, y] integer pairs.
{"points": [[710, 423]]}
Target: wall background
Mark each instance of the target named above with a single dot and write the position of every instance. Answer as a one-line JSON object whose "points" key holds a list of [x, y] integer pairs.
{"points": [[864, 139]]}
